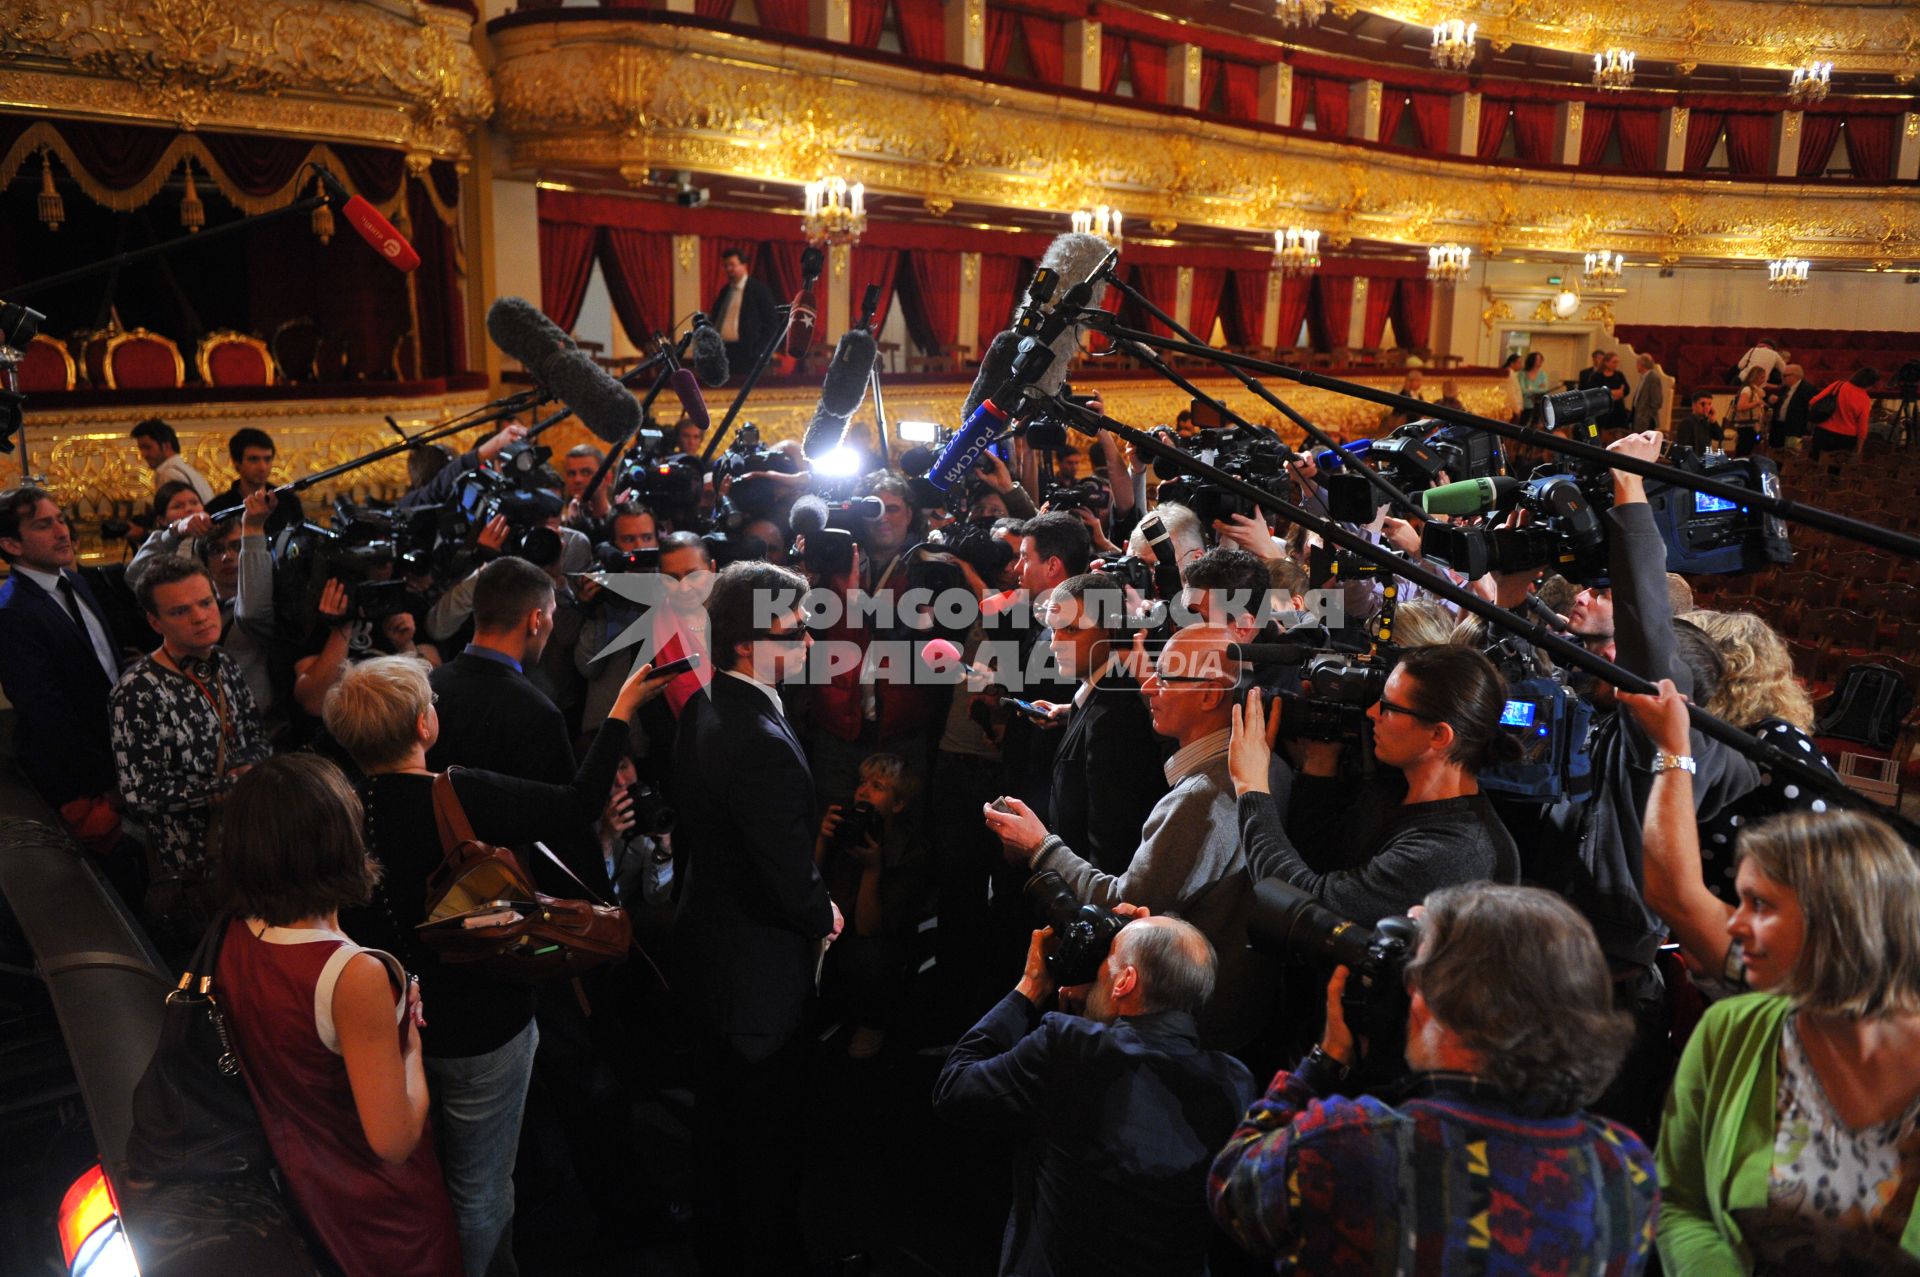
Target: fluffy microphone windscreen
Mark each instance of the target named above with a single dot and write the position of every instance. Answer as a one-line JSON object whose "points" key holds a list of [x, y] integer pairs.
{"points": [[686, 388], [1076, 257], [518, 328], [603, 405], [841, 391], [708, 356], [808, 516], [995, 367]]}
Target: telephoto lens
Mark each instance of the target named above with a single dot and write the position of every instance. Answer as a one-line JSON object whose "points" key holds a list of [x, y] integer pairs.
{"points": [[1082, 933]]}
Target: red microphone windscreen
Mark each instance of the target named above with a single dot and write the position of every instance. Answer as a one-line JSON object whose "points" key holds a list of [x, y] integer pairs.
{"points": [[939, 655], [378, 231]]}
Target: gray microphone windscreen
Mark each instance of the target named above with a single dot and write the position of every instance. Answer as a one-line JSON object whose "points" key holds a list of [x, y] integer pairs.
{"points": [[1076, 257], [995, 367], [709, 356], [841, 391], [518, 328], [603, 405], [808, 516]]}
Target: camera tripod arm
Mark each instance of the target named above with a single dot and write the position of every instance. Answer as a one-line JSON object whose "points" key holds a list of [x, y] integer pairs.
{"points": [[1793, 511], [1768, 756]]}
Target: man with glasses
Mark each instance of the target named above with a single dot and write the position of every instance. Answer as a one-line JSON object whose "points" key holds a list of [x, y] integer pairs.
{"points": [[1189, 860], [754, 921]]}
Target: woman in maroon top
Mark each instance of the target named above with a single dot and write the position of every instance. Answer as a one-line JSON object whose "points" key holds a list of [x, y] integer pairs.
{"points": [[328, 1032]]}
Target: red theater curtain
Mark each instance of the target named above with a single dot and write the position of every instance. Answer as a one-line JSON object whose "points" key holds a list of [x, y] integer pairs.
{"points": [[714, 10], [873, 266], [638, 268], [1000, 279], [1046, 46], [788, 17], [1161, 285], [1245, 306], [1243, 90], [1393, 105], [1639, 130], [923, 29], [566, 263], [1818, 133], [1412, 310], [1296, 292], [1208, 283], [440, 316], [1330, 102], [1535, 133], [1870, 146], [1749, 143], [780, 264], [1373, 325], [866, 18], [1149, 70], [1430, 111], [1703, 132], [1493, 126], [1330, 317], [1595, 131], [1000, 24], [934, 316], [1209, 80], [1302, 98], [1112, 50], [713, 275]]}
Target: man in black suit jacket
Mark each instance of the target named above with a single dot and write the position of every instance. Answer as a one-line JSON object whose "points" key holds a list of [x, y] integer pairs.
{"points": [[1108, 771], [491, 715], [1787, 411], [58, 665], [753, 917], [744, 311]]}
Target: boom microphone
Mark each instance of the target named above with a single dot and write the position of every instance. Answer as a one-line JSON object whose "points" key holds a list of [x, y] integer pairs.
{"points": [[368, 224], [1470, 496], [709, 353], [603, 405], [841, 391]]}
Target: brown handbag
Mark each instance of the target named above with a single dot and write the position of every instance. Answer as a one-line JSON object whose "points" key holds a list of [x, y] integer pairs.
{"points": [[483, 909]]}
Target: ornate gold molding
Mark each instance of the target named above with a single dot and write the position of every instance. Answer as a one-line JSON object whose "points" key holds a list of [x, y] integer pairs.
{"points": [[1879, 39], [383, 71], [593, 96]]}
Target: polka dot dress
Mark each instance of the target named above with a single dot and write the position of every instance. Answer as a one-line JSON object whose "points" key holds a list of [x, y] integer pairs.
{"points": [[1719, 835]]}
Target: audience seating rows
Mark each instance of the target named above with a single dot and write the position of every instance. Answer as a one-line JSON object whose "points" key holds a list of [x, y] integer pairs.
{"points": [[1703, 356]]}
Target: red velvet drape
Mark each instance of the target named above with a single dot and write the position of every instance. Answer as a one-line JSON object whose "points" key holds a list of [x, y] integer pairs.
{"points": [[1393, 105], [1112, 50], [1000, 279], [1494, 114], [866, 19], [1046, 47], [1412, 310], [1302, 99], [638, 268], [1149, 70], [1210, 68], [1204, 305], [1749, 143], [1430, 111], [1595, 132], [1243, 90], [716, 10], [1639, 132], [1161, 285], [780, 265], [1818, 133], [1534, 133], [872, 266], [923, 29], [1870, 146], [932, 302], [1245, 306], [439, 304], [1703, 133], [788, 17], [1330, 103], [1330, 317], [712, 273], [566, 264], [1373, 325], [1296, 295], [1000, 25]]}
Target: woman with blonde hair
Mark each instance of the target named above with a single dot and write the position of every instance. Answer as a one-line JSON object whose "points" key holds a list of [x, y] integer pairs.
{"points": [[1749, 407], [1759, 693], [1793, 1125]]}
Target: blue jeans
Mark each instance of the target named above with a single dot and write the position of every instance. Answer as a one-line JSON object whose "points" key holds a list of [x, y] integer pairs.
{"points": [[477, 1104]]}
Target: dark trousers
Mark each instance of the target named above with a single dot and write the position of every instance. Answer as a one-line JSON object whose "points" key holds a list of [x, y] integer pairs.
{"points": [[749, 1128], [984, 918], [867, 977], [1638, 1092], [1828, 441]]}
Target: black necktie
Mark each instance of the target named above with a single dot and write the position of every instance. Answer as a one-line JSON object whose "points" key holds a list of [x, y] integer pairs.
{"points": [[72, 601]]}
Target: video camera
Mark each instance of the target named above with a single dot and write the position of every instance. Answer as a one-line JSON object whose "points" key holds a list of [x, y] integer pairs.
{"points": [[1413, 457], [1549, 722], [1340, 687], [1287, 921], [1257, 456]]}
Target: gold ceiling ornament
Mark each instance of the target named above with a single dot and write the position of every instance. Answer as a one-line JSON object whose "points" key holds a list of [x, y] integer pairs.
{"points": [[937, 205], [348, 69], [562, 108]]}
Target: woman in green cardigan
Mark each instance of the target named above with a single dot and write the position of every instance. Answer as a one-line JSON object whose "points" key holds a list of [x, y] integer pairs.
{"points": [[1793, 1125]]}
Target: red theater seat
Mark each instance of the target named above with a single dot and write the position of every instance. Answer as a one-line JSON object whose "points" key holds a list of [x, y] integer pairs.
{"points": [[142, 360], [234, 359], [45, 365]]}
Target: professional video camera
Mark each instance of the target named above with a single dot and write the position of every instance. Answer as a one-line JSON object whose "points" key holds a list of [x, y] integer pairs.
{"points": [[1082, 934], [1255, 455], [1412, 457], [975, 544], [1288, 921], [363, 549], [1340, 686], [1548, 721]]}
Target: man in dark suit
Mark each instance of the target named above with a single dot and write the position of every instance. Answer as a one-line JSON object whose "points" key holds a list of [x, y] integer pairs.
{"points": [[491, 715], [744, 311], [1121, 1109], [1109, 769], [754, 918], [58, 665], [1787, 410]]}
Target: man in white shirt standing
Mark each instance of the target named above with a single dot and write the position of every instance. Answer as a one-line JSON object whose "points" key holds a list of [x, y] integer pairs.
{"points": [[159, 446], [744, 311], [1765, 354]]}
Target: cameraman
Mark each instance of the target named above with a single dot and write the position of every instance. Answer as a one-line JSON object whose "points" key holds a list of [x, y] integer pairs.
{"points": [[1492, 1162], [1120, 1107], [1437, 722]]}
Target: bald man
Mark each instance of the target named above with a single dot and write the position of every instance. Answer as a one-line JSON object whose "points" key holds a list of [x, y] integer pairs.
{"points": [[1121, 1108], [1189, 861]]}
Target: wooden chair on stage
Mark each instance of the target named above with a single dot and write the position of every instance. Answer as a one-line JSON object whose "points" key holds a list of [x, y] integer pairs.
{"points": [[47, 365], [142, 360], [228, 358]]}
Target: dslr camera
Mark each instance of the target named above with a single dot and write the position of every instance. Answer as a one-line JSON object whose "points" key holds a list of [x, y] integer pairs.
{"points": [[1082, 934], [1287, 921]]}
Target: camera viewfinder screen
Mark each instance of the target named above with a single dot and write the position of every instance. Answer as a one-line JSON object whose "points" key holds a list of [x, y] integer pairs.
{"points": [[1707, 503], [1517, 714]]}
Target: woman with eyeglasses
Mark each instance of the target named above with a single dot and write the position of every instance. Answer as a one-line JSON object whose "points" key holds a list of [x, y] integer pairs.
{"points": [[1791, 1141], [1372, 851]]}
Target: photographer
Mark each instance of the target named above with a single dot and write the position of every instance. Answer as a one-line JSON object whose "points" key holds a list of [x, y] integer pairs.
{"points": [[1437, 723], [1120, 1107], [1511, 1029]]}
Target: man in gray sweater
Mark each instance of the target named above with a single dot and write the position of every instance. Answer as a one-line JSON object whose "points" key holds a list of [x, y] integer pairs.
{"points": [[1189, 862]]}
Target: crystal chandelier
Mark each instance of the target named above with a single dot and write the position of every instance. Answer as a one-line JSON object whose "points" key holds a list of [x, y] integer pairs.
{"points": [[1299, 13], [1787, 274], [1603, 267], [1099, 220], [1447, 263], [1453, 44], [1296, 251], [1613, 69], [836, 213], [1810, 83]]}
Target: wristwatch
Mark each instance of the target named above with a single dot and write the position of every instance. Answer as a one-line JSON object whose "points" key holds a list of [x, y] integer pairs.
{"points": [[1665, 762]]}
